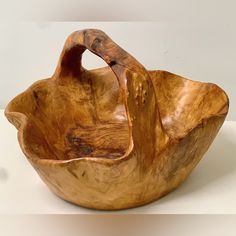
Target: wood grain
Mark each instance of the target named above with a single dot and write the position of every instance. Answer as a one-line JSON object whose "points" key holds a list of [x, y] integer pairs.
{"points": [[115, 137]]}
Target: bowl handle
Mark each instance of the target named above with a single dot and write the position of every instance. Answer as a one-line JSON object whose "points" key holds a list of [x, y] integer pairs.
{"points": [[136, 86]]}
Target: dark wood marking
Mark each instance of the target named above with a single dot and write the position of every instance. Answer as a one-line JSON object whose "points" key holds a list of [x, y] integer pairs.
{"points": [[112, 63], [35, 95], [79, 145], [72, 171]]}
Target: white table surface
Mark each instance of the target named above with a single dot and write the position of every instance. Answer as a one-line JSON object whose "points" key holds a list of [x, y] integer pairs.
{"points": [[211, 188]]}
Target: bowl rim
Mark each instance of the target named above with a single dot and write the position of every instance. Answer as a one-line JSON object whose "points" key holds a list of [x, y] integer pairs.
{"points": [[25, 121]]}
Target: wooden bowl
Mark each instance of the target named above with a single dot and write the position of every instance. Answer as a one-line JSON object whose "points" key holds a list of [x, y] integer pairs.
{"points": [[115, 137]]}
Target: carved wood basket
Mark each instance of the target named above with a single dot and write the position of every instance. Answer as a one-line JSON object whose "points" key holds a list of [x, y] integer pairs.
{"points": [[115, 137]]}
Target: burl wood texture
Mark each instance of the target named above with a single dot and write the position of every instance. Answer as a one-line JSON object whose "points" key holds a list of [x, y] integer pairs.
{"points": [[114, 137]]}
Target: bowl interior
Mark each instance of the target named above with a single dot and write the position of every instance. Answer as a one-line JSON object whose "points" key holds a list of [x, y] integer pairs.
{"points": [[72, 119]]}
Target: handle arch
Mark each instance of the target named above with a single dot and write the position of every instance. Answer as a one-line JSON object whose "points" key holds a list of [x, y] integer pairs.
{"points": [[136, 86]]}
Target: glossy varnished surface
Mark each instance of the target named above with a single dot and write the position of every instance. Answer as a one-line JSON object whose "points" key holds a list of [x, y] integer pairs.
{"points": [[115, 137]]}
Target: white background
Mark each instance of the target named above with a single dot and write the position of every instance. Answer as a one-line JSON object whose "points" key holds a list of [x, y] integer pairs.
{"points": [[113, 225], [199, 51], [188, 11]]}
